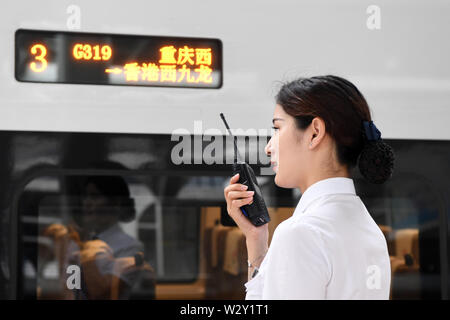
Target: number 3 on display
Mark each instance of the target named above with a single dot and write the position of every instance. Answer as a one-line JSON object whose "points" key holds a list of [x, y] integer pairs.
{"points": [[39, 52]]}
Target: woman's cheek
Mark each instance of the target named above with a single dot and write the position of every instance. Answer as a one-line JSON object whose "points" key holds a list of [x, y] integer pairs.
{"points": [[288, 168]]}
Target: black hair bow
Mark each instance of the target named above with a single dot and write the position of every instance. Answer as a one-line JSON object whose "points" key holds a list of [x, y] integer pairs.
{"points": [[371, 131]]}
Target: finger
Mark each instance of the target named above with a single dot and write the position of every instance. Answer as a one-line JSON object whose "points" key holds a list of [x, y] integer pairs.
{"points": [[234, 195], [235, 187], [234, 178], [240, 202]]}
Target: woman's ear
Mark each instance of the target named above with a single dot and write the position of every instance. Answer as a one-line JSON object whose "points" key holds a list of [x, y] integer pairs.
{"points": [[318, 131]]}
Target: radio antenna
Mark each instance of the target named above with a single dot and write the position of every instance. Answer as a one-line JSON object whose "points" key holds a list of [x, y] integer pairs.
{"points": [[237, 155]]}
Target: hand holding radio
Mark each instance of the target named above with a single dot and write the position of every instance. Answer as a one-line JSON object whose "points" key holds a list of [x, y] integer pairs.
{"points": [[236, 195]]}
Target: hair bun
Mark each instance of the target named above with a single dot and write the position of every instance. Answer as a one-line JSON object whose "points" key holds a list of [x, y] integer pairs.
{"points": [[376, 161]]}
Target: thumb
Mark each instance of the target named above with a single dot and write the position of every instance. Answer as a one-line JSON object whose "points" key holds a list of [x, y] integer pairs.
{"points": [[234, 178]]}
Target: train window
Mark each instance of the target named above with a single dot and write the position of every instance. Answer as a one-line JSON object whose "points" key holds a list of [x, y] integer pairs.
{"points": [[89, 58], [100, 227]]}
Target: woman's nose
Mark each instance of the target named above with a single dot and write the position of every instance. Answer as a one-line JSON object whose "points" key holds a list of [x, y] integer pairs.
{"points": [[268, 147]]}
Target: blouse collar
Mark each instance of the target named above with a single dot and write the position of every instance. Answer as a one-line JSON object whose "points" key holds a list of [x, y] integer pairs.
{"points": [[335, 185]]}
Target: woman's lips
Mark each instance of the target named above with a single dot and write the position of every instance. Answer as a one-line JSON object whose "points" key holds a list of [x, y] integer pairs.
{"points": [[274, 165]]}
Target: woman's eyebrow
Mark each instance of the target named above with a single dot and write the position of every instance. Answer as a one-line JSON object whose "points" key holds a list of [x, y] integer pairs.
{"points": [[275, 119]]}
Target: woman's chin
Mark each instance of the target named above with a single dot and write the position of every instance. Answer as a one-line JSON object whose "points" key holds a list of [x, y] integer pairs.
{"points": [[282, 182], [278, 181]]}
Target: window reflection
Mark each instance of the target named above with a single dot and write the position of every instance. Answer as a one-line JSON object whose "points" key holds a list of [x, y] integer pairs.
{"points": [[90, 255]]}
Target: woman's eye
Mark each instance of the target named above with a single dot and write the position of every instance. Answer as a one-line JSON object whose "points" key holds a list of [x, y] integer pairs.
{"points": [[275, 128]]}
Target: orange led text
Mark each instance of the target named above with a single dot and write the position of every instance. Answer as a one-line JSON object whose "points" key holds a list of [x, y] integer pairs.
{"points": [[91, 52]]}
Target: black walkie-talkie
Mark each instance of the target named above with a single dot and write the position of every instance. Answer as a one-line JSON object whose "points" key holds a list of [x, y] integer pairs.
{"points": [[257, 211]]}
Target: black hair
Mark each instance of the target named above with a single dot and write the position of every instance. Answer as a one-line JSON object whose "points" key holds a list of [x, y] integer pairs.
{"points": [[344, 110], [115, 188]]}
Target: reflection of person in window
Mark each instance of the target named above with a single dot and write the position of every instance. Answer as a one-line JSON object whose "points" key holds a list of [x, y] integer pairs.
{"points": [[109, 258], [106, 202]]}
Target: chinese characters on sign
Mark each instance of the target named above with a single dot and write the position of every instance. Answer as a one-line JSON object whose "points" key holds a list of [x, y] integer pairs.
{"points": [[115, 59], [185, 64]]}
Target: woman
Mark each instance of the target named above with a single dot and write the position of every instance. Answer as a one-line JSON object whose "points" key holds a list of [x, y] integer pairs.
{"points": [[330, 248]]}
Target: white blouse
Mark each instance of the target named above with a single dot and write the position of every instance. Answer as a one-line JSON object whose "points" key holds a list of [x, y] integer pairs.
{"points": [[330, 248]]}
